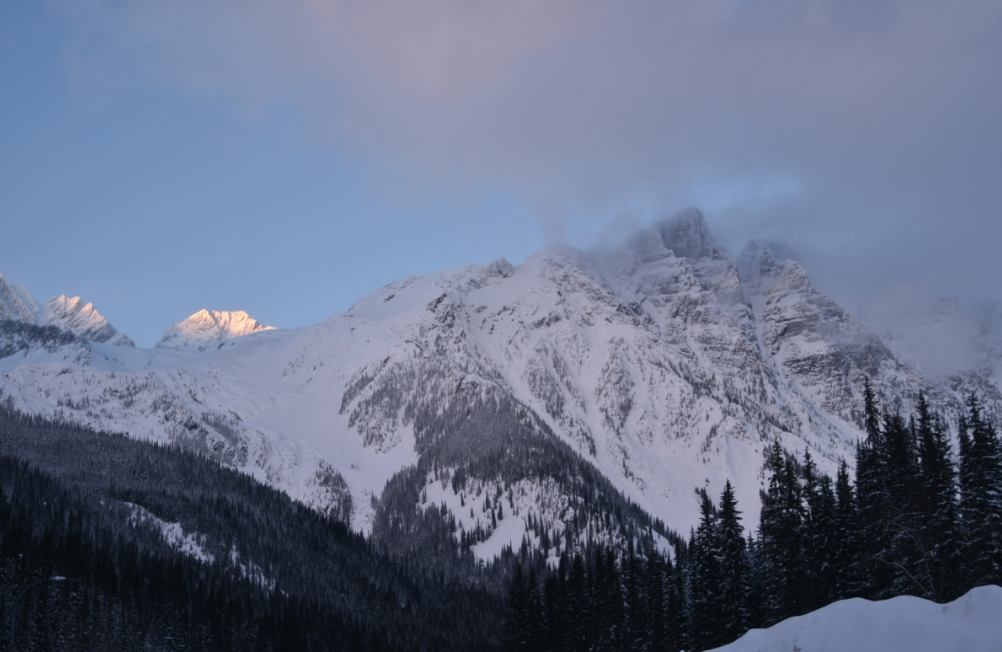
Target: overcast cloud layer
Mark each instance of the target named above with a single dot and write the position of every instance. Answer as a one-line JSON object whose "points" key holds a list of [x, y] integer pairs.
{"points": [[866, 134]]}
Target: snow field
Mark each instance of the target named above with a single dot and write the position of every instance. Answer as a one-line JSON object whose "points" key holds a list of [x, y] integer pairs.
{"points": [[972, 623]]}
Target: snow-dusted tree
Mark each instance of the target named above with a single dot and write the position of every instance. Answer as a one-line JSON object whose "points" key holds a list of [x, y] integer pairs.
{"points": [[733, 607], [939, 528], [782, 572], [705, 592], [873, 502], [981, 498], [819, 537], [847, 542]]}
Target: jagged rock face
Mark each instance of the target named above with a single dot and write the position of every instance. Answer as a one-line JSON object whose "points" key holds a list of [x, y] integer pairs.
{"points": [[207, 328], [667, 365], [82, 319], [17, 304], [72, 315]]}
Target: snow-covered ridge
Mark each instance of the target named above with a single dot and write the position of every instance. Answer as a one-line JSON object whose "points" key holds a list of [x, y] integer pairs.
{"points": [[69, 314], [665, 363], [207, 328], [83, 319], [971, 623], [17, 304]]}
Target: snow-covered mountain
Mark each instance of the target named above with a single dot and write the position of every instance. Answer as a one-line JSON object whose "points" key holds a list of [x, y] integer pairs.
{"points": [[67, 314], [206, 329], [83, 320], [657, 368], [943, 336], [971, 623], [16, 303]]}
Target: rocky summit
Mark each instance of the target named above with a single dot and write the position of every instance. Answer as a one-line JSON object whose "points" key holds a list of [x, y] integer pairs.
{"points": [[643, 374]]}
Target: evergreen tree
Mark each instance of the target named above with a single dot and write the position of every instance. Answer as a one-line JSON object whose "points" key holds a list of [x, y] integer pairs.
{"points": [[939, 528], [555, 607], [981, 498], [903, 517], [705, 580], [638, 619], [678, 601], [657, 634], [873, 501], [782, 572], [578, 633], [524, 627], [819, 537], [733, 601], [847, 542]]}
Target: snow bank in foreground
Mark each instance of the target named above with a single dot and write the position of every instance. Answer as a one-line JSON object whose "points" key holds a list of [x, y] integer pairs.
{"points": [[972, 623]]}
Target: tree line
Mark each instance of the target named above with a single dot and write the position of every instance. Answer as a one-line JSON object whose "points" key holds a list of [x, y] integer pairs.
{"points": [[916, 520], [271, 573]]}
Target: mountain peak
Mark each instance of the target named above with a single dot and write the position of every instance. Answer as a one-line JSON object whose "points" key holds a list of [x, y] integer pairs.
{"points": [[68, 314], [687, 234], [207, 327], [83, 319], [16, 303]]}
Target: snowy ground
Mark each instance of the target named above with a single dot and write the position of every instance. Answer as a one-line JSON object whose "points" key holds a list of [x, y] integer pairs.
{"points": [[972, 623]]}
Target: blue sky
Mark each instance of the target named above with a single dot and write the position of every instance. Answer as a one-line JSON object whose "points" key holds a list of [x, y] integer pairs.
{"points": [[287, 158]]}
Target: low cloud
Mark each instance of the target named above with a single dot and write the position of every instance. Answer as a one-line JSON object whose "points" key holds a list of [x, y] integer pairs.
{"points": [[866, 134]]}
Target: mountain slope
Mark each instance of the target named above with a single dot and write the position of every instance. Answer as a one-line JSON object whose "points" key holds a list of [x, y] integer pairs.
{"points": [[126, 520], [68, 314], [649, 371], [83, 320], [207, 328]]}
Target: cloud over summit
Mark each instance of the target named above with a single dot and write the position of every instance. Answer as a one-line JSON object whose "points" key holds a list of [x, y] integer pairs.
{"points": [[842, 125]]}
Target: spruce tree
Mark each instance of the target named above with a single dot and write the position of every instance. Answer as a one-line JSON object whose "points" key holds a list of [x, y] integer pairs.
{"points": [[981, 498], [678, 601], [819, 537], [657, 634], [578, 610], [902, 523], [733, 601], [515, 637], [782, 573], [873, 501], [847, 542], [705, 592], [939, 532]]}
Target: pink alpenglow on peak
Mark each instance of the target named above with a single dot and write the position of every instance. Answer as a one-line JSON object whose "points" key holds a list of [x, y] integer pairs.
{"points": [[83, 319], [208, 328], [71, 315]]}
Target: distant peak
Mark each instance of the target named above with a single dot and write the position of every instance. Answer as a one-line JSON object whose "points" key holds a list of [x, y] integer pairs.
{"points": [[206, 327], [687, 234], [16, 303], [83, 319]]}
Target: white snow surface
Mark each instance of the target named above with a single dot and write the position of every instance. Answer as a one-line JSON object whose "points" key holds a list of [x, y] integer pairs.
{"points": [[972, 623], [69, 314], [190, 544], [668, 372], [208, 328], [73, 315], [17, 303]]}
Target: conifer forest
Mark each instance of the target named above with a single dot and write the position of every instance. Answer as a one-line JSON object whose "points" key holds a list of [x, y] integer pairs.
{"points": [[85, 563], [914, 522]]}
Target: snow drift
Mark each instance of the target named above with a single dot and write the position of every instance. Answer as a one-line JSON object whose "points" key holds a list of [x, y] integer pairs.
{"points": [[971, 623]]}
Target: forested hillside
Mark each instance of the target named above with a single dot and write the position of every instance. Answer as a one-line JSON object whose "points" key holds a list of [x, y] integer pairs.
{"points": [[916, 521], [165, 550]]}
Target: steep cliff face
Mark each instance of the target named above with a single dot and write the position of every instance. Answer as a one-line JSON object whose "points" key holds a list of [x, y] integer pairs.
{"points": [[82, 319], [643, 373], [71, 315]]}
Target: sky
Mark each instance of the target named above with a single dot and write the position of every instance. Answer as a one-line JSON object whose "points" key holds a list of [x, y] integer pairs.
{"points": [[287, 158]]}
